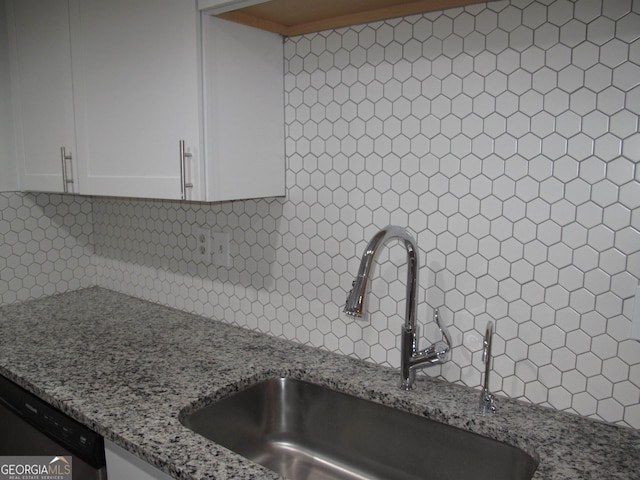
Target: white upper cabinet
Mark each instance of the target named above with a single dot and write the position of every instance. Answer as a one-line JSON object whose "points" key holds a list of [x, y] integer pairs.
{"points": [[8, 173], [42, 93], [244, 111], [136, 86], [220, 6], [158, 110]]}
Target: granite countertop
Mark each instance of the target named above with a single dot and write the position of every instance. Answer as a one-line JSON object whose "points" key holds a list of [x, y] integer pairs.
{"points": [[127, 368]]}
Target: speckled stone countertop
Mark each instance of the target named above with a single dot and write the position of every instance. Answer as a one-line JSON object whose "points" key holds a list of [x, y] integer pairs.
{"points": [[127, 369]]}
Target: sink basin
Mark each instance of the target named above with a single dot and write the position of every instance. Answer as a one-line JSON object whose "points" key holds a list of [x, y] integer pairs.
{"points": [[305, 431]]}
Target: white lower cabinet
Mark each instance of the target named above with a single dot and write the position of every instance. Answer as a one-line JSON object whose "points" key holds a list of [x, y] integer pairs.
{"points": [[149, 98], [122, 465]]}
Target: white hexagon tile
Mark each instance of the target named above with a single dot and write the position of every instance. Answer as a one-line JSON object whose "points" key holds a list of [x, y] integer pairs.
{"points": [[45, 245], [503, 135]]}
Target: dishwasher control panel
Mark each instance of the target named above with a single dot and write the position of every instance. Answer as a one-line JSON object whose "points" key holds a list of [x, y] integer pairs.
{"points": [[77, 438]]}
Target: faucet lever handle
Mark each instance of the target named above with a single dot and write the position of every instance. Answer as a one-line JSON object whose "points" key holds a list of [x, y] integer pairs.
{"points": [[443, 329], [487, 401]]}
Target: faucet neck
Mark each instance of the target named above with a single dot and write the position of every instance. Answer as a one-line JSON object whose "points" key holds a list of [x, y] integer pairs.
{"points": [[410, 357], [356, 299]]}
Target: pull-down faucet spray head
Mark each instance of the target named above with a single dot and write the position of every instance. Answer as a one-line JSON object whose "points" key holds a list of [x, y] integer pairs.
{"points": [[355, 305]]}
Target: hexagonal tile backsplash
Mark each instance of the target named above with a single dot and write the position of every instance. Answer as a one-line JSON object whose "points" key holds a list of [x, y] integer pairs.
{"points": [[45, 245], [505, 136]]}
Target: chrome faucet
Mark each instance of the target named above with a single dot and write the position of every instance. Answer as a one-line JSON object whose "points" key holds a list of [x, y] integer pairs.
{"points": [[411, 358], [487, 401]]}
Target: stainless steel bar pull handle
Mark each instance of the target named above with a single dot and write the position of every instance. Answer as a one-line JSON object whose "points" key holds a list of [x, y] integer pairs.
{"points": [[67, 173], [184, 185]]}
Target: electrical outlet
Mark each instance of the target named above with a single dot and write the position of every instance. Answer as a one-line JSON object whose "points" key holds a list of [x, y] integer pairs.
{"points": [[203, 245], [221, 255]]}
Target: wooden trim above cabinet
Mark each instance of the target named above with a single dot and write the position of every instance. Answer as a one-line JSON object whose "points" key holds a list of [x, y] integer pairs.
{"points": [[295, 17]]}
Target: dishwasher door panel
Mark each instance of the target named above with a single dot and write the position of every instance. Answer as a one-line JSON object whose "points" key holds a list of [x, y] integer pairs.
{"points": [[18, 437]]}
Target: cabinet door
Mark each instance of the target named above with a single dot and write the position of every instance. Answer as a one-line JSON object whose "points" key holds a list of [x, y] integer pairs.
{"points": [[244, 111], [136, 86], [42, 91], [9, 176], [122, 465]]}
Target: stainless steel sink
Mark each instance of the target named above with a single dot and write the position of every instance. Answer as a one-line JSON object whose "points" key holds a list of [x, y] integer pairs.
{"points": [[304, 431]]}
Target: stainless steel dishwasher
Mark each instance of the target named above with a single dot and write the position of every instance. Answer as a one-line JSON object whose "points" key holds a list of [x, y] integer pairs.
{"points": [[31, 427]]}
